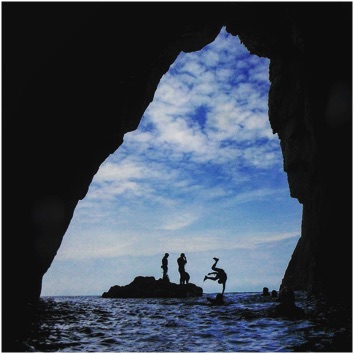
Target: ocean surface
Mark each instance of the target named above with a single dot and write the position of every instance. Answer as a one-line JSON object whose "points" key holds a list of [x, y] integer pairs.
{"points": [[242, 324]]}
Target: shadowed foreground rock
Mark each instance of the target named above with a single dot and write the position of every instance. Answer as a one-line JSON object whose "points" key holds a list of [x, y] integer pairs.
{"points": [[149, 287]]}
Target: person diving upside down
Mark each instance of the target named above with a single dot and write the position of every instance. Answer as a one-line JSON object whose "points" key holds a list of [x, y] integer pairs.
{"points": [[220, 275]]}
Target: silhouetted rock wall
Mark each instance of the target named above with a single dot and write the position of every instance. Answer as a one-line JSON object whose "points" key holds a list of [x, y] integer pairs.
{"points": [[77, 77]]}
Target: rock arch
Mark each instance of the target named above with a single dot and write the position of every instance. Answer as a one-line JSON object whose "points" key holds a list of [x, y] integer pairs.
{"points": [[76, 77]]}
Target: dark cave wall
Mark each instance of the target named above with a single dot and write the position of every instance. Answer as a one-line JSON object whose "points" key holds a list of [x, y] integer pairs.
{"points": [[73, 87], [73, 109], [310, 109], [322, 148], [77, 78]]}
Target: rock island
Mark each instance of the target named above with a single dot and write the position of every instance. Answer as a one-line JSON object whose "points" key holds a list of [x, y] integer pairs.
{"points": [[149, 287]]}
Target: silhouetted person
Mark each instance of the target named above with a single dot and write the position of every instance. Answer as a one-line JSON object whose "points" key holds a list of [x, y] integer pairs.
{"points": [[274, 294], [181, 263], [164, 266], [287, 307], [221, 276], [266, 292]]}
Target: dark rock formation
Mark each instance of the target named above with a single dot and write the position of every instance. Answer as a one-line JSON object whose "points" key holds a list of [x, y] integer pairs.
{"points": [[217, 301], [78, 76], [149, 287]]}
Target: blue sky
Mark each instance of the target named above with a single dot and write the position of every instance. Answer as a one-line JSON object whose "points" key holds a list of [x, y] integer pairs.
{"points": [[202, 174]]}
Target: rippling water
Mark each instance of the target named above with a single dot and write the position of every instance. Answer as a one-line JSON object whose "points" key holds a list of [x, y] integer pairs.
{"points": [[95, 324]]}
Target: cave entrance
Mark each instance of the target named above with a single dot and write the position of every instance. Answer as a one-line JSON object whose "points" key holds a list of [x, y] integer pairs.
{"points": [[202, 174]]}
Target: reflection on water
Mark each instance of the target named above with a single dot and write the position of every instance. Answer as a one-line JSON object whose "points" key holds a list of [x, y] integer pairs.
{"points": [[95, 324]]}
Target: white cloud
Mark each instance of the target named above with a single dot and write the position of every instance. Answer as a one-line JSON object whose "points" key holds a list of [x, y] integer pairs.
{"points": [[125, 170], [252, 242], [104, 244], [180, 221]]}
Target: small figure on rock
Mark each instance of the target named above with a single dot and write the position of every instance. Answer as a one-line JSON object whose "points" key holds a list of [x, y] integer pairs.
{"points": [[164, 266], [184, 278], [274, 295], [221, 276], [182, 261]]}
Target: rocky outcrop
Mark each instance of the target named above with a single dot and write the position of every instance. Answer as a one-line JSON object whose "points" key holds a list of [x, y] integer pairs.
{"points": [[77, 77], [149, 287]]}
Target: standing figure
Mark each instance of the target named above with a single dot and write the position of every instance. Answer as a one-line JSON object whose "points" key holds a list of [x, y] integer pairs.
{"points": [[164, 266], [182, 262], [221, 276]]}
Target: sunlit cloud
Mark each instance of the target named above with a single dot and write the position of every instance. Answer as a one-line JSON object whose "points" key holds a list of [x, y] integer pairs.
{"points": [[180, 222]]}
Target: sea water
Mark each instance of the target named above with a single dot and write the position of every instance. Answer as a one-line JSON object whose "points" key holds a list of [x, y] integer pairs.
{"points": [[96, 324]]}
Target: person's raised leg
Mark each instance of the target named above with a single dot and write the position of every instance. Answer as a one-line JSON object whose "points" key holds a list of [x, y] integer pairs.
{"points": [[215, 263]]}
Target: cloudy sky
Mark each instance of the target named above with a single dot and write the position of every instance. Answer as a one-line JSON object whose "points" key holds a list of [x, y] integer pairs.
{"points": [[202, 175]]}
